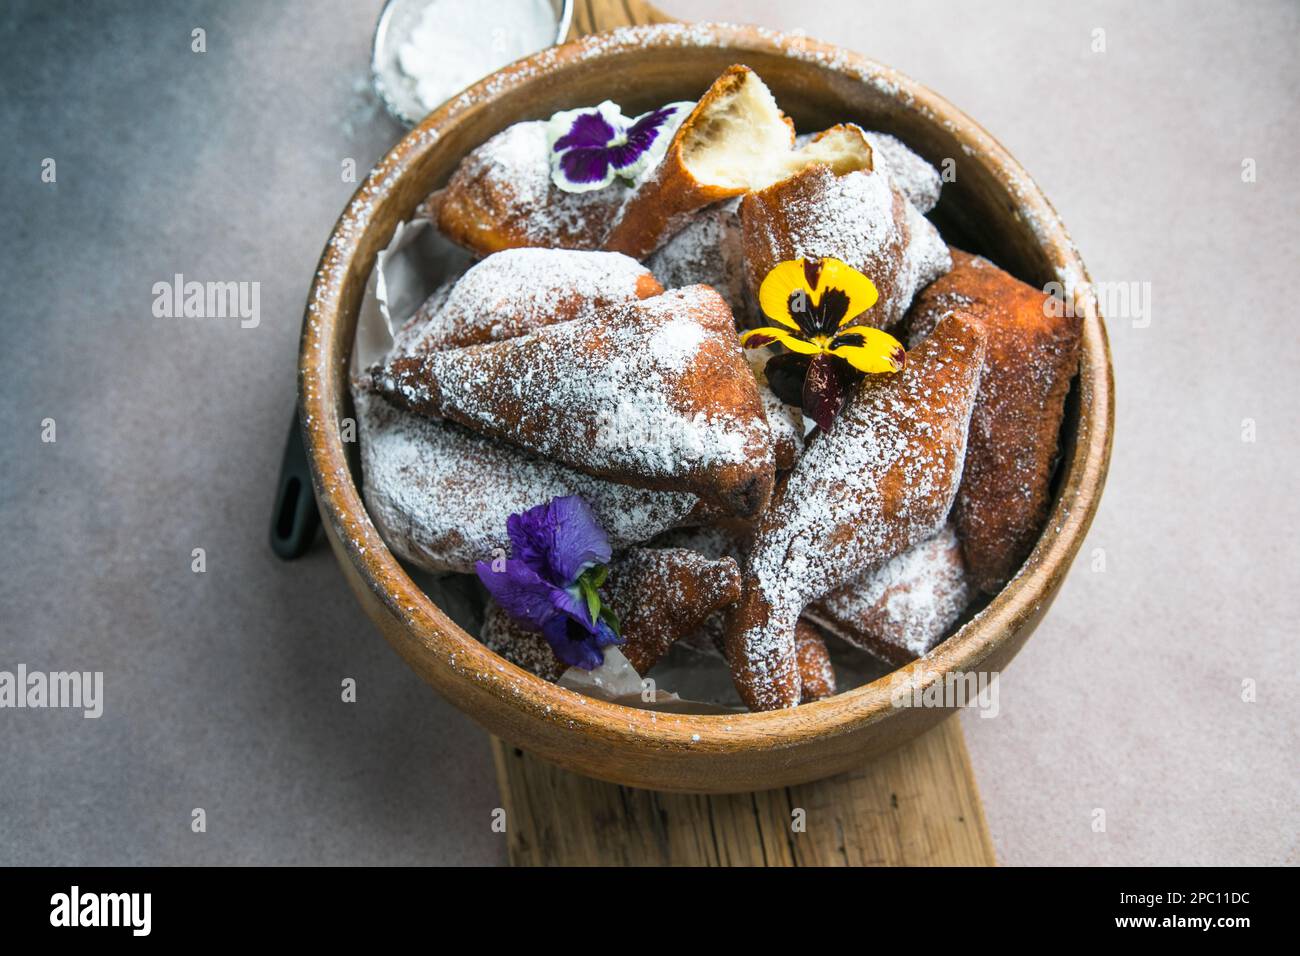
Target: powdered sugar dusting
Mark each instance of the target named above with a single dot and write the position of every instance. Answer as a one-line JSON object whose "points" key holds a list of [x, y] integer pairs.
{"points": [[1032, 356], [816, 673], [707, 250], [852, 220], [925, 255], [884, 477], [593, 395], [659, 594], [858, 217], [511, 175], [913, 176], [440, 495], [886, 472], [664, 594], [674, 345], [518, 290], [787, 427], [907, 604], [907, 170]]}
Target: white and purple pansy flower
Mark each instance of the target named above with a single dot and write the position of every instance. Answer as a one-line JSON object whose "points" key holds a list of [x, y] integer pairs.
{"points": [[591, 147], [550, 581]]}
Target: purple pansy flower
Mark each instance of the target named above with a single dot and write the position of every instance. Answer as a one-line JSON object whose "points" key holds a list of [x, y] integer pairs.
{"points": [[592, 146], [548, 584]]}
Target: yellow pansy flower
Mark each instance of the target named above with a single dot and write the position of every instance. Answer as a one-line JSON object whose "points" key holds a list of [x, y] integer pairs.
{"points": [[812, 303]]}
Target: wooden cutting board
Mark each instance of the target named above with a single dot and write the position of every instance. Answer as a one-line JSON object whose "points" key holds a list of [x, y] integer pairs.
{"points": [[596, 16], [917, 806]]}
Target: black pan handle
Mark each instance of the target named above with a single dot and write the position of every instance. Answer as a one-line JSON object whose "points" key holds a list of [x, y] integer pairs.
{"points": [[294, 520]]}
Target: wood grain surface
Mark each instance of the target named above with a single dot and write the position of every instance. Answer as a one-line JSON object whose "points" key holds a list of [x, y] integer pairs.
{"points": [[596, 16], [916, 806]]}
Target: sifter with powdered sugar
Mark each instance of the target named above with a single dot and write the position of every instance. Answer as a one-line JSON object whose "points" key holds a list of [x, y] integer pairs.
{"points": [[425, 51]]}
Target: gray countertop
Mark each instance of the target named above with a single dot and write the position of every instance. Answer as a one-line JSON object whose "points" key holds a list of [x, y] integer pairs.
{"points": [[222, 689]]}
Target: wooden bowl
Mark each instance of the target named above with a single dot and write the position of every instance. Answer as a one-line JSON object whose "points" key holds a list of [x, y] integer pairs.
{"points": [[992, 207]]}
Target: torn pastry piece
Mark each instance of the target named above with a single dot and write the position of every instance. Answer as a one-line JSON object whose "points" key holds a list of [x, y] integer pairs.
{"points": [[659, 595], [726, 538], [501, 197], [516, 291], [1033, 353], [882, 479], [709, 247], [709, 159], [662, 594], [735, 140], [858, 217], [440, 495], [914, 177], [816, 675], [901, 610], [655, 393]]}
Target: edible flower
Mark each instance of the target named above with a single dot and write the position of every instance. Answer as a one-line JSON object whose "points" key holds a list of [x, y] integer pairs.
{"points": [[550, 583], [813, 302], [590, 147]]}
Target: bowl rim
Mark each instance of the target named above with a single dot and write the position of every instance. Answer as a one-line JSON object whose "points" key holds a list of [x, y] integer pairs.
{"points": [[455, 655]]}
